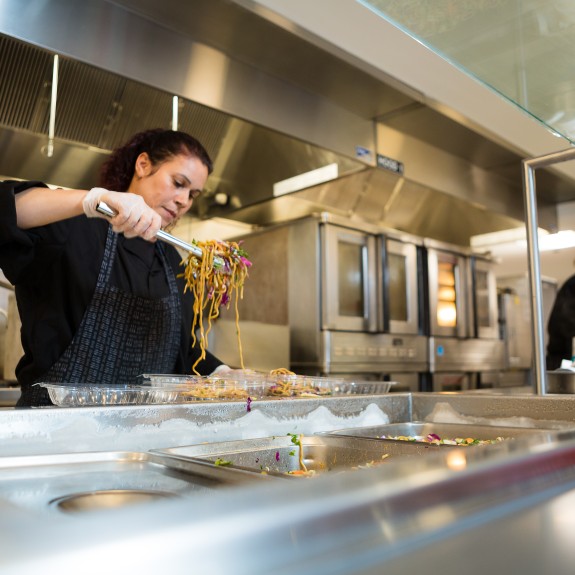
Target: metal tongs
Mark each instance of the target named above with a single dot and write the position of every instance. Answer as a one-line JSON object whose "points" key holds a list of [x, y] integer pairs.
{"points": [[103, 208]]}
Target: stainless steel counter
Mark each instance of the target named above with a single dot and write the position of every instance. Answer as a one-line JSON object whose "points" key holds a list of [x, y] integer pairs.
{"points": [[508, 506], [9, 393]]}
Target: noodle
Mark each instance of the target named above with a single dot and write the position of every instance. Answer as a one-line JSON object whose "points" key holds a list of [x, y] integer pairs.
{"points": [[281, 371], [214, 287], [289, 384], [206, 391], [301, 462]]}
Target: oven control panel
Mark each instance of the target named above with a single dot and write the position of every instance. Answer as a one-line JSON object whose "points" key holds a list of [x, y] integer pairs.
{"points": [[377, 350]]}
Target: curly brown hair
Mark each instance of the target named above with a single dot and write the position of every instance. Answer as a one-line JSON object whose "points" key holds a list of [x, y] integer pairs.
{"points": [[160, 145]]}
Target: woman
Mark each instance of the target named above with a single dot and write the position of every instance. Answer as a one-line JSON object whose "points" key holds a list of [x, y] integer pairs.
{"points": [[99, 299], [561, 326]]}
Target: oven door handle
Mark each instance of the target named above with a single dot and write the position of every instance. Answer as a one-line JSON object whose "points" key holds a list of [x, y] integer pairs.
{"points": [[370, 285]]}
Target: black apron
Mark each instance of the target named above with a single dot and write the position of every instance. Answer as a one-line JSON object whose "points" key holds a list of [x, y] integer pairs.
{"points": [[120, 337]]}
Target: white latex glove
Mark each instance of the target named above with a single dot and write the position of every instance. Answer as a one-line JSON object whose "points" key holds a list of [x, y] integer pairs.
{"points": [[223, 369], [133, 216]]}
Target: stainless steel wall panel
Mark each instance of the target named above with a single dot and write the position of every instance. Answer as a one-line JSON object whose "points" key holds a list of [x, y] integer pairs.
{"points": [[22, 157], [304, 293]]}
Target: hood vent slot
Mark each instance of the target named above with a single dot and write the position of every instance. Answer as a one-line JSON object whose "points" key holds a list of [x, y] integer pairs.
{"points": [[26, 74]]}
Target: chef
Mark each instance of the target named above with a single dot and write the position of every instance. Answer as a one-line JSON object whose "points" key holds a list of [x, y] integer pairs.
{"points": [[99, 299], [561, 326]]}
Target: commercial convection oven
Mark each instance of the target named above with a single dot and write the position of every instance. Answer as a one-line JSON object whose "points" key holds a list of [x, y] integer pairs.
{"points": [[465, 347], [350, 294]]}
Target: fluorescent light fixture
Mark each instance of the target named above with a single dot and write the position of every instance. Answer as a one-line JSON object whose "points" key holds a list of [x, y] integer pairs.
{"points": [[305, 180], [175, 110], [506, 239], [510, 236], [559, 241]]}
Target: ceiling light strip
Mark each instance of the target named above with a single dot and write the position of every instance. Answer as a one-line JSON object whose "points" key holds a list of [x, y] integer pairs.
{"points": [[52, 125]]}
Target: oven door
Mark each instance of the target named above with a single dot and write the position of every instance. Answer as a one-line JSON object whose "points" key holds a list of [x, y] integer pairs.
{"points": [[485, 299], [449, 299], [400, 287], [349, 279]]}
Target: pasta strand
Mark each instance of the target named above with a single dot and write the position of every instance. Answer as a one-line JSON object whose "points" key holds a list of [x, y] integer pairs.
{"points": [[214, 287]]}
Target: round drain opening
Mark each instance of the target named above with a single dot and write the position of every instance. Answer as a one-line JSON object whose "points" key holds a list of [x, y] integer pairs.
{"points": [[107, 499]]}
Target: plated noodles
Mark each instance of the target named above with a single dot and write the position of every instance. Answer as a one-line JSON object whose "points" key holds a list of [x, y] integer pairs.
{"points": [[281, 371], [214, 286], [286, 383]]}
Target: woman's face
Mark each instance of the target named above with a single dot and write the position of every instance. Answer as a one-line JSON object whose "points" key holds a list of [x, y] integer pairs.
{"points": [[170, 187]]}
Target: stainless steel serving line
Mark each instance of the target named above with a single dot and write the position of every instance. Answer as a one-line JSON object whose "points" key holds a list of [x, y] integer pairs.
{"points": [[434, 508]]}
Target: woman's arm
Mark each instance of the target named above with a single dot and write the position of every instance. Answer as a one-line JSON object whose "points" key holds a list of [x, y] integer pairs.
{"points": [[41, 206]]}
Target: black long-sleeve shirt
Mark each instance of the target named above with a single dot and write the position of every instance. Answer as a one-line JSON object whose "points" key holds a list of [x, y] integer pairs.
{"points": [[561, 325], [54, 269]]}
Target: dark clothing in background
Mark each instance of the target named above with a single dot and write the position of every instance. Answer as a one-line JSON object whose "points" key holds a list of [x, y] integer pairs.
{"points": [[561, 325], [55, 268]]}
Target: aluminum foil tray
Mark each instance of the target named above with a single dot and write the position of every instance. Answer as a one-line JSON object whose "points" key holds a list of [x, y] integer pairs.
{"points": [[281, 456], [83, 395], [419, 432]]}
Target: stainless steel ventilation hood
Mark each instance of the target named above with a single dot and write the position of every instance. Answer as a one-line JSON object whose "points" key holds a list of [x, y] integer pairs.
{"points": [[268, 106]]}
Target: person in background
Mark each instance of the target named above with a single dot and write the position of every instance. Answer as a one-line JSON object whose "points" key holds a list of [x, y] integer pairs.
{"points": [[100, 300], [561, 326]]}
